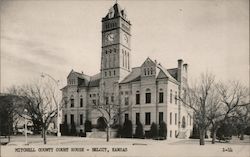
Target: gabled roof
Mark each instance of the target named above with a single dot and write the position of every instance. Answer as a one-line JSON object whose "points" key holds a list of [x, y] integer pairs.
{"points": [[118, 12], [165, 71], [95, 80], [135, 75], [173, 72], [147, 62], [79, 75]]}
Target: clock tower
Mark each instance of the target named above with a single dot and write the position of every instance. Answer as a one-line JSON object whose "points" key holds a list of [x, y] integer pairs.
{"points": [[115, 61]]}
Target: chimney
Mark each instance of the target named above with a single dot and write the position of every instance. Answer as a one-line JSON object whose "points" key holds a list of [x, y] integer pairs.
{"points": [[180, 62], [179, 72], [185, 67]]}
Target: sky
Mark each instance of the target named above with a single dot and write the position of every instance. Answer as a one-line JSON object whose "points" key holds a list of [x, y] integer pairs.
{"points": [[54, 37]]}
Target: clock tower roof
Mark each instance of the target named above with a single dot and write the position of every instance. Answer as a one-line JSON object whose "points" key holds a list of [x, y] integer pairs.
{"points": [[116, 11]]}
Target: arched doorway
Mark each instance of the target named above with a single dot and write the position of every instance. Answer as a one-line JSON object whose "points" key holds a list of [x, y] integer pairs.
{"points": [[101, 123]]}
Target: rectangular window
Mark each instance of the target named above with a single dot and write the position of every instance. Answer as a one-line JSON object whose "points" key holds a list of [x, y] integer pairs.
{"points": [[112, 98], [65, 119], [107, 100], [147, 118], [126, 116], [171, 96], [175, 118], [137, 98], [71, 102], [71, 119], [175, 98], [161, 95], [81, 119], [160, 117], [184, 94], [81, 102], [170, 134], [190, 120], [170, 118], [148, 98], [137, 118], [94, 102], [126, 101]]}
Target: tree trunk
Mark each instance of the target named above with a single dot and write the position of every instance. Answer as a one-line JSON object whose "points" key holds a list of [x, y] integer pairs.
{"points": [[44, 136], [202, 136], [214, 135], [242, 135], [108, 132]]}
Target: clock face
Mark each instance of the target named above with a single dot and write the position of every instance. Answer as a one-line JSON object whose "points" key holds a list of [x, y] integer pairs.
{"points": [[125, 38], [110, 37]]}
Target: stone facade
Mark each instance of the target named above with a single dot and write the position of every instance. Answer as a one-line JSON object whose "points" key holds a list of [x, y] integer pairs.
{"points": [[149, 92]]}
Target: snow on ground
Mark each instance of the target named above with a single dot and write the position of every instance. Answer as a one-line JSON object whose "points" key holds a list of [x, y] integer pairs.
{"points": [[126, 147]]}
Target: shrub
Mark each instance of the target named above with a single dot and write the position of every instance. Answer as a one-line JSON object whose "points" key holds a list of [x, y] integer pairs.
{"points": [[139, 130], [163, 130], [247, 131], [119, 131], [224, 132], [127, 129], [64, 128], [195, 133], [73, 129], [87, 126], [153, 130], [101, 124], [82, 134]]}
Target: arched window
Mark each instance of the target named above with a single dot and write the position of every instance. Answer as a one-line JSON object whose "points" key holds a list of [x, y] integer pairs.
{"points": [[125, 54], [161, 96], [123, 58], [148, 96], [107, 61], [175, 98], [110, 59], [128, 61], [81, 101], [171, 95], [137, 97], [183, 124], [72, 101], [113, 60]]}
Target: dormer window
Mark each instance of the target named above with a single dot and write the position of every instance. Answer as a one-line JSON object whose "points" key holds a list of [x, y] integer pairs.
{"points": [[111, 13]]}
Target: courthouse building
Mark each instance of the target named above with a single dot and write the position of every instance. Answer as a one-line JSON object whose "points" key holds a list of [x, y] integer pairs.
{"points": [[149, 93]]}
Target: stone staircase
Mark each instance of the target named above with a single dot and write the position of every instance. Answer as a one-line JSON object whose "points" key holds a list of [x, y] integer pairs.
{"points": [[96, 134], [100, 134], [182, 134]]}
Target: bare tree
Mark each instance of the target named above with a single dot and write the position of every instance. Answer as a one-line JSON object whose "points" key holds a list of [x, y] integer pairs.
{"points": [[197, 98], [242, 120], [110, 109], [233, 103], [41, 101]]}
